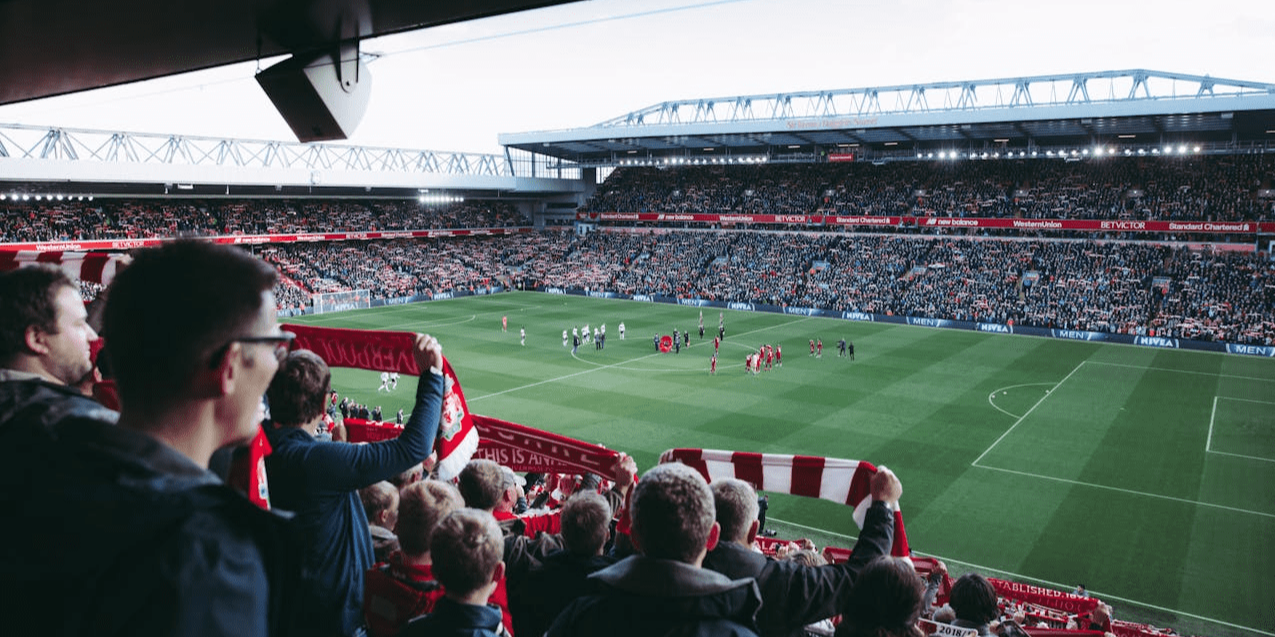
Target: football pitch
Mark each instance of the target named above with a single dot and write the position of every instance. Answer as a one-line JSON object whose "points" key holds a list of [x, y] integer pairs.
{"points": [[1146, 474]]}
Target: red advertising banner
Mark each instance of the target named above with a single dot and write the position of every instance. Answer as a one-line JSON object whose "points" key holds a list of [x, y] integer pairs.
{"points": [[840, 156], [861, 220], [697, 218], [1229, 227], [1079, 225]]}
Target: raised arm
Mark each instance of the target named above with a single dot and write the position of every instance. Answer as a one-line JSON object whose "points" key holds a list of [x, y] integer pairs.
{"points": [[348, 467]]}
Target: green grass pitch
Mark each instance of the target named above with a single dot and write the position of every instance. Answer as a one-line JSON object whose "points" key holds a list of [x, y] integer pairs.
{"points": [[1147, 474]]}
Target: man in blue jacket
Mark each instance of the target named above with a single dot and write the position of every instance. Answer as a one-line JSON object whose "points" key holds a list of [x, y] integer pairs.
{"points": [[319, 482]]}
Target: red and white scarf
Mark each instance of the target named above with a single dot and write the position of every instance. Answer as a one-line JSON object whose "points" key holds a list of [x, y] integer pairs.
{"points": [[845, 482], [392, 352]]}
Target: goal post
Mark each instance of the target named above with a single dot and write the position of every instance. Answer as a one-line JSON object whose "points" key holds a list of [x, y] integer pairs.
{"points": [[341, 301]]}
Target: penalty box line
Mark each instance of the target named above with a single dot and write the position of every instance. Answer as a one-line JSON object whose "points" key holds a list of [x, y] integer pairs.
{"points": [[1208, 443], [1091, 484], [1024, 416]]}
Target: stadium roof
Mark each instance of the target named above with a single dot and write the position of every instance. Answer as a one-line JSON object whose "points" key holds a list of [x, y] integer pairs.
{"points": [[52, 47], [1137, 108]]}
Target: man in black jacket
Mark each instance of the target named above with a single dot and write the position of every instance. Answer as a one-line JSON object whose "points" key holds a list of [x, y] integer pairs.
{"points": [[44, 330], [794, 595], [561, 577], [122, 529], [664, 590]]}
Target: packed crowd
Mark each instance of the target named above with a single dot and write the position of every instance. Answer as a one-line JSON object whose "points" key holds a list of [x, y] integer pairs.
{"points": [[179, 489], [1131, 288], [405, 268], [23, 222], [1213, 188]]}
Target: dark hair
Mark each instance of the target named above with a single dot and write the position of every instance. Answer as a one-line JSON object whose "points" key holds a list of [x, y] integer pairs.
{"points": [[28, 296], [217, 289], [299, 390], [465, 549], [482, 484], [885, 602], [586, 523], [974, 599], [673, 512]]}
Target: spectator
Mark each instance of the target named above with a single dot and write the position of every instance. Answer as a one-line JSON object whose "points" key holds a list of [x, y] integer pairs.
{"points": [[320, 481], [405, 587], [664, 589], [485, 485], [409, 477], [466, 547], [885, 602], [795, 595], [811, 559], [973, 598], [380, 502], [44, 330], [195, 557], [562, 576]]}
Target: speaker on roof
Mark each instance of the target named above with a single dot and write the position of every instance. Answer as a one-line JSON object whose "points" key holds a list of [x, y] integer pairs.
{"points": [[322, 96]]}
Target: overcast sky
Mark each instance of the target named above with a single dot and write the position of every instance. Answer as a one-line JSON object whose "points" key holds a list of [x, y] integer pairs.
{"points": [[457, 87]]}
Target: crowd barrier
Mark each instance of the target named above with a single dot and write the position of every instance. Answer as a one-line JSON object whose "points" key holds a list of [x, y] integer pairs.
{"points": [[997, 328]]}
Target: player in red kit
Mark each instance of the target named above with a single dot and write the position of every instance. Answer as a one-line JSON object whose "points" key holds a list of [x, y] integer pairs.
{"points": [[812, 347], [779, 356], [504, 323], [819, 345], [770, 357], [712, 366]]}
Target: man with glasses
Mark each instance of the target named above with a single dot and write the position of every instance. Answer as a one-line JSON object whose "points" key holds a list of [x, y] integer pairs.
{"points": [[320, 482], [122, 530]]}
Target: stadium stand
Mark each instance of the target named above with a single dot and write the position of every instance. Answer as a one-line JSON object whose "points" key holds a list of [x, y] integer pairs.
{"points": [[1213, 188], [136, 219], [1128, 288]]}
